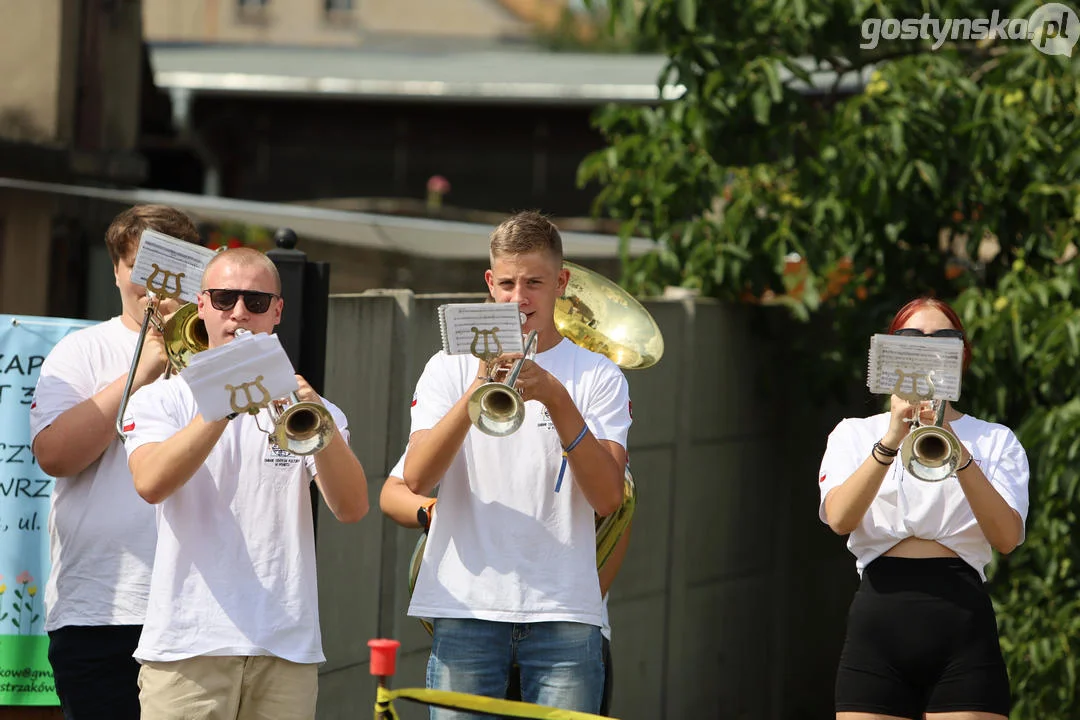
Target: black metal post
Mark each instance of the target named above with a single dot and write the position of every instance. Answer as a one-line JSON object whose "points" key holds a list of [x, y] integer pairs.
{"points": [[305, 286], [291, 264]]}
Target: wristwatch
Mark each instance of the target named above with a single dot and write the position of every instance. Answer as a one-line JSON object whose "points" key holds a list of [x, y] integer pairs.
{"points": [[424, 513]]}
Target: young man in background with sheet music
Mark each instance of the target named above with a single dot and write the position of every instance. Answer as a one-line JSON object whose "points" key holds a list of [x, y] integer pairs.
{"points": [[509, 573], [101, 533], [232, 627]]}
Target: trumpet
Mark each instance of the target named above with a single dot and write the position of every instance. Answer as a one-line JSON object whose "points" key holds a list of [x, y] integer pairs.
{"points": [[497, 408], [930, 452], [301, 428], [184, 335]]}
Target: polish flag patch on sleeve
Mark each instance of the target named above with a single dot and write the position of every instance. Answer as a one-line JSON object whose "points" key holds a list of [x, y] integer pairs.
{"points": [[822, 478], [413, 403], [129, 426]]}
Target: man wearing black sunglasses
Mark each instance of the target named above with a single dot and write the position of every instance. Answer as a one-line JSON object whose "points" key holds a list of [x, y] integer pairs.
{"points": [[233, 619]]}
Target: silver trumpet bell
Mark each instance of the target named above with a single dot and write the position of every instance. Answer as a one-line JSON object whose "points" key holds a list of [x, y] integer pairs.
{"points": [[302, 428], [496, 408], [930, 452]]}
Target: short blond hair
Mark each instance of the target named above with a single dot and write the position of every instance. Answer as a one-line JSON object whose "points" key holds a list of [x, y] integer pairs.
{"points": [[526, 232], [244, 257]]}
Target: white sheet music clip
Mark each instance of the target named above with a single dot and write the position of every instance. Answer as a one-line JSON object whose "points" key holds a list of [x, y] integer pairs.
{"points": [[915, 368], [244, 375], [169, 267]]}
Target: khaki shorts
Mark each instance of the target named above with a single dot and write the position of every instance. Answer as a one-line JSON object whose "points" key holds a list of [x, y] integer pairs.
{"points": [[228, 688]]}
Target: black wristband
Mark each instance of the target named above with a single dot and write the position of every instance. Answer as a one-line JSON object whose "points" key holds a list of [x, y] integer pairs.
{"points": [[964, 466]]}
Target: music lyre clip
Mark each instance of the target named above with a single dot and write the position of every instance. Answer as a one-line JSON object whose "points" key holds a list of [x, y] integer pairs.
{"points": [[162, 288], [487, 354], [914, 395]]}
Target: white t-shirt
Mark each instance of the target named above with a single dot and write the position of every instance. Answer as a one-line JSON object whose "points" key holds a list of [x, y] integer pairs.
{"points": [[908, 507], [503, 545], [101, 533], [234, 572], [605, 629]]}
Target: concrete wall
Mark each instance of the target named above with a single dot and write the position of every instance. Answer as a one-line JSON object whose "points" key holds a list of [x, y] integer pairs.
{"points": [[25, 249], [707, 610], [37, 91]]}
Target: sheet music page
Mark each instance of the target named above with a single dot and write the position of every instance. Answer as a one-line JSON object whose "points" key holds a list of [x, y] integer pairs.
{"points": [[177, 263], [909, 360], [251, 370], [470, 328]]}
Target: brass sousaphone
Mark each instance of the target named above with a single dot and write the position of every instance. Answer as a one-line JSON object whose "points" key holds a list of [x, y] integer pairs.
{"points": [[598, 315]]}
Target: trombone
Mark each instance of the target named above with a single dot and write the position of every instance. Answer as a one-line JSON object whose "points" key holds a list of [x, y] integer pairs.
{"points": [[184, 335]]}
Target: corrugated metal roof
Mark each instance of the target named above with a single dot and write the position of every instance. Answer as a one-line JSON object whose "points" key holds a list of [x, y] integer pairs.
{"points": [[441, 239]]}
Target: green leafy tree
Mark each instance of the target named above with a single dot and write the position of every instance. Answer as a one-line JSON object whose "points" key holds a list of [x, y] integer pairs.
{"points": [[807, 167]]}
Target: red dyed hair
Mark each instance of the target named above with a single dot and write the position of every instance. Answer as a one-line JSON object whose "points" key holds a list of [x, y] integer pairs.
{"points": [[904, 314]]}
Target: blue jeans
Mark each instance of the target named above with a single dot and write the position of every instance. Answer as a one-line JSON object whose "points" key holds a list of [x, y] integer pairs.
{"points": [[561, 663]]}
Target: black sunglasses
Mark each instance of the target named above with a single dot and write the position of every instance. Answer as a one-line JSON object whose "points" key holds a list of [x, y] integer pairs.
{"points": [[255, 301], [944, 333]]}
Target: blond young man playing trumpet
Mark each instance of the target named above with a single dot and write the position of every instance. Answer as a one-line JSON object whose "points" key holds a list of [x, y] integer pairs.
{"points": [[509, 573]]}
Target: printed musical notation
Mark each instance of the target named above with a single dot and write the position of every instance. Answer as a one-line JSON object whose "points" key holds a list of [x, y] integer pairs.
{"points": [[170, 267], [910, 361], [480, 328]]}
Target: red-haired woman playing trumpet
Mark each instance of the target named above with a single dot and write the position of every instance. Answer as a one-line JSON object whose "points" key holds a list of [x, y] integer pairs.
{"points": [[922, 636]]}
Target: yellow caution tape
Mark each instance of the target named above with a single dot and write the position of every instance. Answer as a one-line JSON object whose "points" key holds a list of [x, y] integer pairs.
{"points": [[474, 703]]}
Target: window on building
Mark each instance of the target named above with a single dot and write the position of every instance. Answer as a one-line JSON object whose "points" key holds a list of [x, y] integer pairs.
{"points": [[253, 11], [339, 12]]}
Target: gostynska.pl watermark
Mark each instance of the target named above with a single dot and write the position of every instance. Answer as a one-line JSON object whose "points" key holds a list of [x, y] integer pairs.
{"points": [[1053, 29]]}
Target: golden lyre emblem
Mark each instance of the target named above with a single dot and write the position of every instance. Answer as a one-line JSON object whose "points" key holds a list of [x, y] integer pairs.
{"points": [[162, 288], [252, 405], [487, 354], [914, 395]]}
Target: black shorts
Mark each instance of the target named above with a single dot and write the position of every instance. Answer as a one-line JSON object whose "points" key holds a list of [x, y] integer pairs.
{"points": [[921, 637], [96, 676]]}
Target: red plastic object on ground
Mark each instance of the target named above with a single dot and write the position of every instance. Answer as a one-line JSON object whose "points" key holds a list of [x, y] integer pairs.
{"points": [[383, 656]]}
